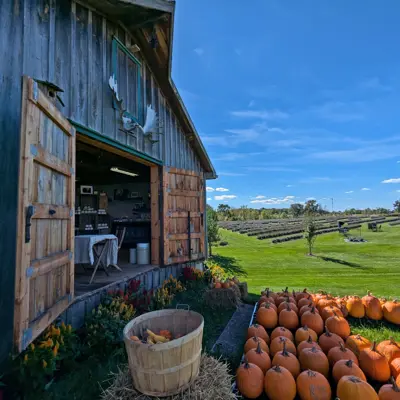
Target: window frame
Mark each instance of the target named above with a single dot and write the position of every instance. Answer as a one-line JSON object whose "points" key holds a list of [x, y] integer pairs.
{"points": [[116, 46]]}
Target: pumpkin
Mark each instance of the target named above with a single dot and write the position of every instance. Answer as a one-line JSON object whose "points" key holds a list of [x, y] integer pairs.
{"points": [[217, 285], [259, 331], [307, 344], [304, 333], [325, 302], [278, 343], [279, 384], [272, 305], [341, 353], [356, 343], [315, 360], [253, 342], [287, 299], [390, 349], [305, 301], [288, 361], [267, 316], [312, 385], [374, 364], [265, 299], [355, 307], [395, 367], [353, 388], [225, 285], [313, 321], [391, 311], [390, 391], [281, 331], [347, 367], [328, 340], [303, 309], [398, 381], [288, 318], [269, 293], [373, 308], [285, 304], [301, 295], [250, 380], [338, 325], [260, 358], [344, 311], [330, 311]]}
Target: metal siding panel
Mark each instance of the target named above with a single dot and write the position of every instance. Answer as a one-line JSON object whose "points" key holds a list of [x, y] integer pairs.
{"points": [[168, 137], [11, 26], [148, 147], [52, 44], [122, 82]]}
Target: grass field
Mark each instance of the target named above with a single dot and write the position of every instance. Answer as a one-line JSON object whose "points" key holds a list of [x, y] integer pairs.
{"points": [[338, 267]]}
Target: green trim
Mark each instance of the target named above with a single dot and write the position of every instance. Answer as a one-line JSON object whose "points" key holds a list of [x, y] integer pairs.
{"points": [[117, 44], [84, 130]]}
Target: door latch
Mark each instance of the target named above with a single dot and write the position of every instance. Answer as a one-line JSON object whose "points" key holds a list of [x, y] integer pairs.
{"points": [[29, 214]]}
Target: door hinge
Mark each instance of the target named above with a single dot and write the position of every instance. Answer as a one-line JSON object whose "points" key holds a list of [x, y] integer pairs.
{"points": [[26, 338], [29, 272]]}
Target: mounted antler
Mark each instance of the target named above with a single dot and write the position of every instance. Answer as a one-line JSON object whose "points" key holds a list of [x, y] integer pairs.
{"points": [[112, 82]]}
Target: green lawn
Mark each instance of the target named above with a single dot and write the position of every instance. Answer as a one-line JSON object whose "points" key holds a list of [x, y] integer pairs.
{"points": [[337, 267]]}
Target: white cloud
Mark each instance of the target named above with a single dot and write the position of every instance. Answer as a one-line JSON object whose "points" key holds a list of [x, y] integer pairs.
{"points": [[365, 189], [251, 104], [289, 186], [392, 180], [271, 114], [221, 189], [398, 162], [273, 200], [225, 197], [230, 174], [259, 197], [398, 191], [209, 199], [340, 112], [199, 51], [209, 189], [350, 191]]}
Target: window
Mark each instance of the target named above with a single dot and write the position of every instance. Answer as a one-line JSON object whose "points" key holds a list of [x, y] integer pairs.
{"points": [[126, 69]]}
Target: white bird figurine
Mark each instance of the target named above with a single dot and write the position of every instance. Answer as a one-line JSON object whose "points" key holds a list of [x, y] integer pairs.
{"points": [[150, 125]]}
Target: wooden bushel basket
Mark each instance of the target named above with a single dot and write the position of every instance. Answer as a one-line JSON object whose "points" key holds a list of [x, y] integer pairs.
{"points": [[165, 369]]}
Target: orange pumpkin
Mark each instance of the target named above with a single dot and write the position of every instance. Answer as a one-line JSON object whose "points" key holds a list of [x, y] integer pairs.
{"points": [[305, 308], [288, 361], [390, 349], [330, 311], [395, 367], [312, 385], [390, 391], [374, 364], [217, 285], [250, 380], [315, 360], [259, 331], [265, 299], [285, 304], [281, 331], [279, 384], [353, 388], [347, 367], [253, 342], [373, 308], [391, 312], [288, 318], [305, 301], [356, 343], [267, 316], [328, 340], [304, 333], [301, 295], [313, 320], [338, 325], [260, 358], [341, 353], [307, 344], [325, 302], [269, 293], [272, 305], [278, 344], [355, 307], [225, 285]]}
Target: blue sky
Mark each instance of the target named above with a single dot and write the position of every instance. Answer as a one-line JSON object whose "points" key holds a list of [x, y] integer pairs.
{"points": [[294, 100]]}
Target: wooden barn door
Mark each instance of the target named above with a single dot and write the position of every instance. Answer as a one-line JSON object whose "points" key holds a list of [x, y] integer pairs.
{"points": [[183, 213], [45, 244]]}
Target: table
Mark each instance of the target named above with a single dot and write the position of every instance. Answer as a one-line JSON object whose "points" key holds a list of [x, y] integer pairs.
{"points": [[97, 250]]}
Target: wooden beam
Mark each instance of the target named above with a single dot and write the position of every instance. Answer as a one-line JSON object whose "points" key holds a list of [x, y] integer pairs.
{"points": [[51, 211], [45, 265], [49, 160], [155, 215], [183, 236], [185, 193], [160, 5]]}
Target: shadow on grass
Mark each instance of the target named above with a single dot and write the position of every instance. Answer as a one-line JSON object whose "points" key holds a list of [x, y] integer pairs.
{"points": [[342, 262], [228, 264]]}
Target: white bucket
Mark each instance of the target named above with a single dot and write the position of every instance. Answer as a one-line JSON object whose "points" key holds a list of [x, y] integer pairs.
{"points": [[132, 256], [143, 253]]}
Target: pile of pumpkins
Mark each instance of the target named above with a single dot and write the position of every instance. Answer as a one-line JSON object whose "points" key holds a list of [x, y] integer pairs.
{"points": [[301, 340], [225, 284]]}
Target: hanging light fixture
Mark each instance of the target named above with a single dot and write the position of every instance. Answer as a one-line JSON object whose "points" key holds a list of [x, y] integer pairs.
{"points": [[123, 171]]}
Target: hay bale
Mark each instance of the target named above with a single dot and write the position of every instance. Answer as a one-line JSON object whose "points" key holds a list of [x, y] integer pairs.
{"points": [[222, 298], [243, 289], [213, 382]]}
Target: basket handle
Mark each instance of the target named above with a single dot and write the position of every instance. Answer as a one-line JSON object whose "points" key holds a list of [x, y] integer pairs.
{"points": [[182, 307]]}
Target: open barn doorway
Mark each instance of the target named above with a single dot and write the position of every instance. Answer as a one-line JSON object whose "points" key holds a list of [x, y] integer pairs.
{"points": [[114, 198]]}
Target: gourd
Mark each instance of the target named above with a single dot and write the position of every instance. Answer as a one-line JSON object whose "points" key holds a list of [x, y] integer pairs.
{"points": [[338, 325], [278, 344], [267, 316], [304, 333], [307, 344], [391, 312], [374, 364], [312, 385], [260, 358], [287, 360], [390, 391], [253, 342], [373, 307], [341, 353], [356, 343], [347, 367], [355, 307], [390, 349], [250, 380], [281, 331], [353, 388], [279, 384], [313, 320], [259, 331], [288, 318], [315, 360], [329, 340]]}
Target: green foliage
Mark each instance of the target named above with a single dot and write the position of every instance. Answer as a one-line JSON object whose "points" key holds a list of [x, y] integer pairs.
{"points": [[297, 209], [396, 206], [310, 233], [164, 296], [212, 228]]}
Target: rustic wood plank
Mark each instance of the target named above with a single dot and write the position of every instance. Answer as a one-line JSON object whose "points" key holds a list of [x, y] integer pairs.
{"points": [[184, 193], [49, 160], [42, 211], [184, 236], [183, 214], [45, 265], [180, 171], [165, 183], [155, 215]]}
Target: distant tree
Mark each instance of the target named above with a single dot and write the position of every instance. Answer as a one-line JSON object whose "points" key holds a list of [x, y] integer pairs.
{"points": [[312, 207], [224, 211], [212, 228], [310, 233], [296, 209], [396, 206]]}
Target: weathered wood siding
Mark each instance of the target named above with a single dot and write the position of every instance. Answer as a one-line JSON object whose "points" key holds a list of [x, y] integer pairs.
{"points": [[71, 45]]}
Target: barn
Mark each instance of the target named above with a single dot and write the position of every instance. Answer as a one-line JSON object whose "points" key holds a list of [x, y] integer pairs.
{"points": [[98, 156]]}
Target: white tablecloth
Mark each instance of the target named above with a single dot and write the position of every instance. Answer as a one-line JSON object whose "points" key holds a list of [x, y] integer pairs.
{"points": [[84, 249]]}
